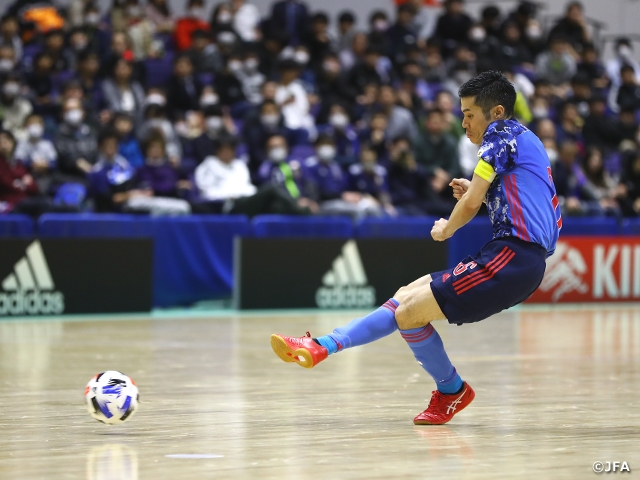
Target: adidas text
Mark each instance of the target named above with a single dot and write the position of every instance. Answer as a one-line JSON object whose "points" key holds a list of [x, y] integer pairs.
{"points": [[31, 303], [345, 297]]}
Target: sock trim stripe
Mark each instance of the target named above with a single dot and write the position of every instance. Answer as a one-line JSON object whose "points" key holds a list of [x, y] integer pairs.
{"points": [[405, 333], [487, 276], [390, 305], [419, 336]]}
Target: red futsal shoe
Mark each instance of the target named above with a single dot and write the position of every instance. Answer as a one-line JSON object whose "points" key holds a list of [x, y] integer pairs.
{"points": [[443, 407], [302, 350]]}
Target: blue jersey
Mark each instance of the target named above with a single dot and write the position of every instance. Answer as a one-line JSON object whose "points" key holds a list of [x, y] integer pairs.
{"points": [[521, 200]]}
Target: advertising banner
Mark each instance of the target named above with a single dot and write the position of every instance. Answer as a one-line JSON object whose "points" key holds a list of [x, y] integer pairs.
{"points": [[592, 269], [53, 277], [328, 273]]}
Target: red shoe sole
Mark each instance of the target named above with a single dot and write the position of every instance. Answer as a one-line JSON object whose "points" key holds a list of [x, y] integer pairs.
{"points": [[301, 356]]}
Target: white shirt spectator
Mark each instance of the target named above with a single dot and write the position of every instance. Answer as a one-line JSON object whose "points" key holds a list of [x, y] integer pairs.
{"points": [[245, 21], [295, 112], [41, 150], [217, 180], [468, 153]]}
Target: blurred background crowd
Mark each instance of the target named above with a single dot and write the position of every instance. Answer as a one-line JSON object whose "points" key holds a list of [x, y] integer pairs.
{"points": [[148, 110]]}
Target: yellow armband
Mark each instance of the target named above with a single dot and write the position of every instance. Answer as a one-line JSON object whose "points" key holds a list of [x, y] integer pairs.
{"points": [[485, 171]]}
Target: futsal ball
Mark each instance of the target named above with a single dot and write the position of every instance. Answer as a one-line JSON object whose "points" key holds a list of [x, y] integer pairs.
{"points": [[112, 397]]}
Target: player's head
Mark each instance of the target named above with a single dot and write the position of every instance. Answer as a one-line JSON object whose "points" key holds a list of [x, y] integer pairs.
{"points": [[484, 99]]}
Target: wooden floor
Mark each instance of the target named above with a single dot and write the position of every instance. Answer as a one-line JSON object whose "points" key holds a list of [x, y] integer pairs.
{"points": [[556, 391]]}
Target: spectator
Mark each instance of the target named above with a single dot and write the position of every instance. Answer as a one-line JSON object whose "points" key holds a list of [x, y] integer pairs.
{"points": [[156, 121], [75, 143], [251, 78], [204, 55], [276, 170], [224, 181], [490, 21], [14, 108], [628, 191], [98, 34], [54, 47], [401, 35], [378, 26], [369, 179], [228, 86], [343, 134], [10, 35], [376, 136], [331, 85], [355, 53], [453, 25], [530, 29], [593, 68], [222, 18], [581, 93], [291, 16], [183, 89], [246, 19], [629, 91], [88, 68], [468, 155], [570, 124], [205, 129], [407, 181], [599, 128], [445, 102], [319, 40], [189, 24], [159, 176], [573, 27], [128, 144], [122, 47], [576, 195], [346, 30], [36, 153], [292, 99], [514, 51], [366, 71], [601, 183], [627, 125], [122, 93], [624, 56], [159, 13], [259, 128], [437, 152], [400, 120], [557, 65], [8, 63], [426, 18], [16, 184]]}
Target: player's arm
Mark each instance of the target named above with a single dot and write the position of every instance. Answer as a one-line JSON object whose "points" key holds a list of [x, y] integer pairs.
{"points": [[466, 208]]}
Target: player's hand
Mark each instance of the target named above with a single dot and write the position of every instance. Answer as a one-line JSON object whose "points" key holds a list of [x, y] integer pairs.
{"points": [[460, 187], [438, 232]]}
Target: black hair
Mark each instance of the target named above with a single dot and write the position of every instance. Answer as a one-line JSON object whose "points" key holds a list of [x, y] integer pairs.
{"points": [[377, 15], [226, 141], [490, 12], [107, 134], [320, 17], [347, 16], [324, 138], [623, 41], [490, 89], [626, 68], [212, 111]]}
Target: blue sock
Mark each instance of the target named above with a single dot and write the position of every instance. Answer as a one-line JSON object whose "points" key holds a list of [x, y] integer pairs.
{"points": [[428, 349], [377, 324]]}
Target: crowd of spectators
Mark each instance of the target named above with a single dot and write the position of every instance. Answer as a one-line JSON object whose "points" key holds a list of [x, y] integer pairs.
{"points": [[147, 110]]}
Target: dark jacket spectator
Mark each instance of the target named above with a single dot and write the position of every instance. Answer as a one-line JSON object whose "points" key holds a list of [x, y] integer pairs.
{"points": [[184, 89], [290, 16], [75, 142]]}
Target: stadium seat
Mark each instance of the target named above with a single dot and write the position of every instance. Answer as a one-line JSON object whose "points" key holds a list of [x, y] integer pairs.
{"points": [[291, 226], [16, 226], [403, 227], [589, 226], [631, 226]]}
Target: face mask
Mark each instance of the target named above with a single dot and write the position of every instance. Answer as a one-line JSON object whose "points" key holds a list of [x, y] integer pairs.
{"points": [[209, 99], [73, 117], [368, 166], [92, 19], [133, 11], [235, 66], [477, 34], [224, 17], [270, 119], [11, 89], [196, 12], [330, 67], [214, 123], [6, 65], [155, 99], [540, 112], [278, 154], [553, 156], [35, 130], [301, 57], [80, 45], [251, 64], [380, 25], [534, 32], [226, 38], [326, 152], [624, 51], [339, 120]]}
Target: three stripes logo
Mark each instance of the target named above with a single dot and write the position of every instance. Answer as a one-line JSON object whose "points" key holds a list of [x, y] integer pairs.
{"points": [[30, 289], [345, 284]]}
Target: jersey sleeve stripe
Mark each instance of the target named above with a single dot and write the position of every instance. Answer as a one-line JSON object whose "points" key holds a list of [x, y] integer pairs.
{"points": [[485, 171]]}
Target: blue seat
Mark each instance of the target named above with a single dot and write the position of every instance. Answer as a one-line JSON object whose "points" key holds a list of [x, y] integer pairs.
{"points": [[16, 226], [71, 194], [308, 227], [631, 226], [87, 225], [402, 227], [589, 226]]}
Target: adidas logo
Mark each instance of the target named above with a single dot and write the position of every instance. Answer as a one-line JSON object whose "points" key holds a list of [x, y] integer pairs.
{"points": [[345, 284], [30, 289]]}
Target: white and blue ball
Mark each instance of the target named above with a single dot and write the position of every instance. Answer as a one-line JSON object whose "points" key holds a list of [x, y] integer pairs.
{"points": [[112, 397]]}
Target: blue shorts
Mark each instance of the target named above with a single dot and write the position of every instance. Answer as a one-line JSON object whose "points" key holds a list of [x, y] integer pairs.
{"points": [[504, 273]]}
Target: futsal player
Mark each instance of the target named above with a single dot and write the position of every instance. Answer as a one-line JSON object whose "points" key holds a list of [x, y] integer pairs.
{"points": [[513, 177]]}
